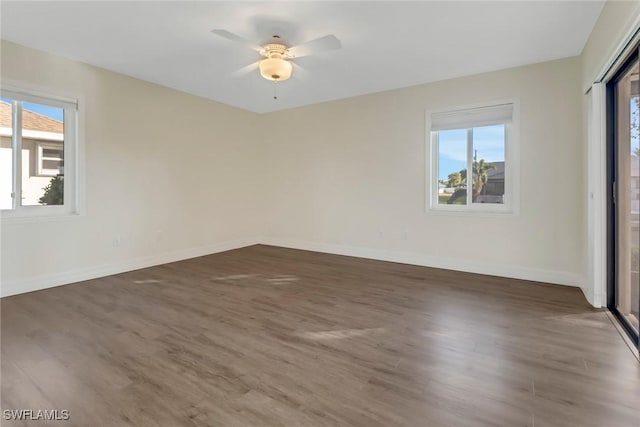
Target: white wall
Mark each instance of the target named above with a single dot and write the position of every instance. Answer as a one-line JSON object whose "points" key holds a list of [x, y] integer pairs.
{"points": [[348, 177], [167, 176], [6, 176], [172, 176]]}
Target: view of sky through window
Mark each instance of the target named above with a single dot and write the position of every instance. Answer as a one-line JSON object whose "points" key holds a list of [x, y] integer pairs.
{"points": [[452, 148], [53, 112]]}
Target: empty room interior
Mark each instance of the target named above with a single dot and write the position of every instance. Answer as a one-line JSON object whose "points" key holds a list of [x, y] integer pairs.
{"points": [[355, 213]]}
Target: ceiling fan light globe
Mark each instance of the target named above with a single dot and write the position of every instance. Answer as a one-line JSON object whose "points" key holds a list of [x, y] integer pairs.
{"points": [[276, 69]]}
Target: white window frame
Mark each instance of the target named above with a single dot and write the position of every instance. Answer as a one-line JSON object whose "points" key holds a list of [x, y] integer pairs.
{"points": [[71, 164], [40, 158], [512, 165]]}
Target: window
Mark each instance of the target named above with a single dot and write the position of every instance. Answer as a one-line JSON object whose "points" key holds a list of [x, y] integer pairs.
{"points": [[50, 159], [623, 93], [37, 155], [480, 140]]}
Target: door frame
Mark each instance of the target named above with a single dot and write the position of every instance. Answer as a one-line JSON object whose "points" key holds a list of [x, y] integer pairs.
{"points": [[612, 163]]}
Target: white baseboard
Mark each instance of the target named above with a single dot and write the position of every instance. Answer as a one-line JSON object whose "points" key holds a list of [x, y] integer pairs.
{"points": [[14, 287], [501, 270]]}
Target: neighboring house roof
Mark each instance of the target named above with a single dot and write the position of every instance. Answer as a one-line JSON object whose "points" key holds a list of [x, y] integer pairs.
{"points": [[30, 120], [497, 172]]}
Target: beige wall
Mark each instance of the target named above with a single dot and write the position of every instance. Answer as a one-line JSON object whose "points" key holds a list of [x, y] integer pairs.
{"points": [[171, 175], [167, 175], [348, 176], [614, 22]]}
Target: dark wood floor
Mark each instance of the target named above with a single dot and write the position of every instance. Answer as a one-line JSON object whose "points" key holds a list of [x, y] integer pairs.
{"points": [[266, 336]]}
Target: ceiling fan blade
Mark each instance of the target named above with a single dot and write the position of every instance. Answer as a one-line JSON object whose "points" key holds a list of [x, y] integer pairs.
{"points": [[236, 38], [245, 70], [299, 73], [321, 44]]}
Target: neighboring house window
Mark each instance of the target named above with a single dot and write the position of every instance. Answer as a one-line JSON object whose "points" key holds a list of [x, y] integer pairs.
{"points": [[474, 159], [37, 155], [50, 159]]}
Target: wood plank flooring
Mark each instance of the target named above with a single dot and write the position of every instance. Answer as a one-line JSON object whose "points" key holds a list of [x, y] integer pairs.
{"points": [[266, 336]]}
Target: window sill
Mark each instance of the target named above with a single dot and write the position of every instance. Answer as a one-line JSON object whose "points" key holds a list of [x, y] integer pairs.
{"points": [[474, 211], [11, 217]]}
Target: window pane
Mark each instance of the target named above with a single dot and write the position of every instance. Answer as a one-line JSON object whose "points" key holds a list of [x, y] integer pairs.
{"points": [[50, 153], [628, 200], [488, 164], [452, 167], [42, 182], [51, 164], [6, 153]]}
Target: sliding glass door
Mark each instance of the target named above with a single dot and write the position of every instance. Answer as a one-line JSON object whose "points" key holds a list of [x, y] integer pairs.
{"points": [[624, 126]]}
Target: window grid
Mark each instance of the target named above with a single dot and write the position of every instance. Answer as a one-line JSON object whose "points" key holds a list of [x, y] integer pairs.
{"points": [[484, 187], [40, 162]]}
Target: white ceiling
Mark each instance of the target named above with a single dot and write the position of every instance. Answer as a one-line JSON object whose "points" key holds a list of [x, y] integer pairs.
{"points": [[386, 45]]}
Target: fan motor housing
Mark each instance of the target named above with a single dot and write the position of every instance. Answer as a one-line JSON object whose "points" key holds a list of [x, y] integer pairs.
{"points": [[276, 50]]}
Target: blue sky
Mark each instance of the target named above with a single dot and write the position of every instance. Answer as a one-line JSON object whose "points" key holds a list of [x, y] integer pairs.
{"points": [[488, 140], [53, 112]]}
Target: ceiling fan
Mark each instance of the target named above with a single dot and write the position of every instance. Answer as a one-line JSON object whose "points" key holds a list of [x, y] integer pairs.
{"points": [[277, 63]]}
